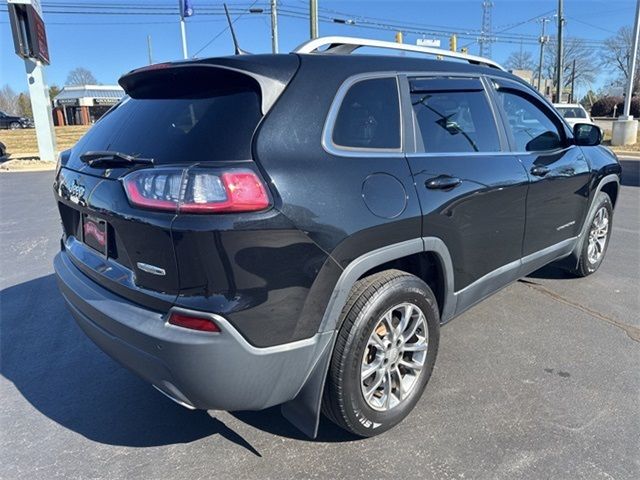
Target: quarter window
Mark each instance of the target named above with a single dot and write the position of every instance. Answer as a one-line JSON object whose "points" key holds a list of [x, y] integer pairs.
{"points": [[454, 121], [531, 128], [369, 116]]}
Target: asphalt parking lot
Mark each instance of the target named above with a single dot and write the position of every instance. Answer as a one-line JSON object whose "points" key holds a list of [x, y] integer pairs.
{"points": [[540, 381]]}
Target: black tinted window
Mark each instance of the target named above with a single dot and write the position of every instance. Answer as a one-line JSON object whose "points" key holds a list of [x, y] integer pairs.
{"points": [[532, 129], [369, 116], [456, 121], [174, 130], [572, 112]]}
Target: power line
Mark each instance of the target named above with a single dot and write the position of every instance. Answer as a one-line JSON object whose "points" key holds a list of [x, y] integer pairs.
{"points": [[591, 25], [224, 29], [288, 11]]}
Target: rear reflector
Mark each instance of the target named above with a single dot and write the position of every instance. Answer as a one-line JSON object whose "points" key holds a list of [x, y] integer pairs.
{"points": [[197, 190], [193, 323]]}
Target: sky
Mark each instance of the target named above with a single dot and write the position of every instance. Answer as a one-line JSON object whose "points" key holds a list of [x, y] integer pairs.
{"points": [[112, 44]]}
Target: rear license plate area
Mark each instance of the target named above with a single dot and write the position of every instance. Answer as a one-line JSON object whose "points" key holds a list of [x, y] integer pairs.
{"points": [[94, 233]]}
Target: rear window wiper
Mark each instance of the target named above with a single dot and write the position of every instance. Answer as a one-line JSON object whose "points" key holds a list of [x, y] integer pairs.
{"points": [[109, 158]]}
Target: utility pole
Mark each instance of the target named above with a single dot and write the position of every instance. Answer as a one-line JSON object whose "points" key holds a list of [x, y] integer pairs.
{"points": [[274, 26], [149, 51], [543, 39], [573, 79], [560, 53], [632, 64], [625, 128], [313, 18], [183, 30]]}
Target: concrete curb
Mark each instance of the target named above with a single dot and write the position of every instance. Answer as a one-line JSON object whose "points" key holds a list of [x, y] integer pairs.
{"points": [[15, 165], [627, 153]]}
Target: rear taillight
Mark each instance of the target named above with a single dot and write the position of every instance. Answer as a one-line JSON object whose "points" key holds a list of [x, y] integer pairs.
{"points": [[197, 190], [193, 323]]}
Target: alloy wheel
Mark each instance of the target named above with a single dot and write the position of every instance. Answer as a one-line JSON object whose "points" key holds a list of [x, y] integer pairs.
{"points": [[394, 357], [598, 234]]}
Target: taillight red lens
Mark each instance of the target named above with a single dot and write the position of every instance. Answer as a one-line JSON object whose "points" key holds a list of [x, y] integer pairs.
{"points": [[193, 323], [197, 190]]}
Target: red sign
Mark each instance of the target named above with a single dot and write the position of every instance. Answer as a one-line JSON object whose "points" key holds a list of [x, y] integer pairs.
{"points": [[27, 26]]}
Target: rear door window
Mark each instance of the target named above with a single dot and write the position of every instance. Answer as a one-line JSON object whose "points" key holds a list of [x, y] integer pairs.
{"points": [[453, 116], [369, 116]]}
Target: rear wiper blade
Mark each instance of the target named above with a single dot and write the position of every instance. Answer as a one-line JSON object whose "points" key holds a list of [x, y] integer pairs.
{"points": [[109, 158]]}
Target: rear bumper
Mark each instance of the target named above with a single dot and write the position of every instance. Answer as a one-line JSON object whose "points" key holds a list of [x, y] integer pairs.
{"points": [[199, 370]]}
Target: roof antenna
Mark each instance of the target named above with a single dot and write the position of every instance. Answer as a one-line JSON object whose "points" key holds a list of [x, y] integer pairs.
{"points": [[236, 47]]}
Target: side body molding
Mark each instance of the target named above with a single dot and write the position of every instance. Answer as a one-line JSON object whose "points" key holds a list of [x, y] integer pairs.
{"points": [[304, 410]]}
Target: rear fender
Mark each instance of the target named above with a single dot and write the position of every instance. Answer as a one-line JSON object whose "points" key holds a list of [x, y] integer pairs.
{"points": [[304, 410]]}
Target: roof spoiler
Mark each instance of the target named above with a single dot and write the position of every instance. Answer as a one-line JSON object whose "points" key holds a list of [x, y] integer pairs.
{"points": [[270, 88]]}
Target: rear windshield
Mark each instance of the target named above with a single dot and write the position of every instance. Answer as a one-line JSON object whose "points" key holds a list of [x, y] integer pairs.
{"points": [[173, 125], [572, 112]]}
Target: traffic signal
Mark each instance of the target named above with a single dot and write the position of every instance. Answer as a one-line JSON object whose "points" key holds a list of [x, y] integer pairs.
{"points": [[453, 43], [399, 37]]}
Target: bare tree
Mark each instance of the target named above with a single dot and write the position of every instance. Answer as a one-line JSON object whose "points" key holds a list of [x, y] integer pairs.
{"points": [[520, 60], [587, 67], [8, 100], [616, 54], [81, 76]]}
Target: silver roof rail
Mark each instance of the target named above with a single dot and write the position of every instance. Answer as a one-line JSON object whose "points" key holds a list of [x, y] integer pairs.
{"points": [[346, 45]]}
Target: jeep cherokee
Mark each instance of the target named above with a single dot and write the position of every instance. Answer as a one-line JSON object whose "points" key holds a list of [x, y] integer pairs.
{"points": [[261, 230]]}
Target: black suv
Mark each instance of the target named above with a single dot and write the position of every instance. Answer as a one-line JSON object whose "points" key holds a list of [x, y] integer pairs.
{"points": [[259, 230], [13, 122]]}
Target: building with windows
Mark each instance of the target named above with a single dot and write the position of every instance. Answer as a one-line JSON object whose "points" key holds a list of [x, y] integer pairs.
{"points": [[84, 104]]}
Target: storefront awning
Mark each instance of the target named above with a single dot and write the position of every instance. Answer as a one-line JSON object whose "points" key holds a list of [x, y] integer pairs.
{"points": [[89, 95]]}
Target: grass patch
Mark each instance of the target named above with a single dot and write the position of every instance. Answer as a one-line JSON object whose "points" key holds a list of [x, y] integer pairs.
{"points": [[23, 141]]}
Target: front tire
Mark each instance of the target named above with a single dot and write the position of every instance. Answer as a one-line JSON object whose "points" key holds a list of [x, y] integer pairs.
{"points": [[384, 354], [14, 126], [596, 239]]}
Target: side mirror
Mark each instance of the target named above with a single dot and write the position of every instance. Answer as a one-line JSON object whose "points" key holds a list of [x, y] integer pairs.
{"points": [[587, 134]]}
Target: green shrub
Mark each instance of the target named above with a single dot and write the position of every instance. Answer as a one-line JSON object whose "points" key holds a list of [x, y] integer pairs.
{"points": [[634, 110], [604, 106]]}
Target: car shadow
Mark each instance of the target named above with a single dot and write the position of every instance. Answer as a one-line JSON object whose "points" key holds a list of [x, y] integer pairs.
{"points": [[551, 272], [630, 173], [61, 373], [65, 377], [272, 421]]}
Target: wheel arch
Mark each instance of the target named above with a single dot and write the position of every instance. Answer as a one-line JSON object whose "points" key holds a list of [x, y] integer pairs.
{"points": [[304, 410], [609, 184], [612, 189]]}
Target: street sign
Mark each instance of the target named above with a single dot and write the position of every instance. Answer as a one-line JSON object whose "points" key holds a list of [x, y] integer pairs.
{"points": [[428, 42], [30, 42], [27, 26]]}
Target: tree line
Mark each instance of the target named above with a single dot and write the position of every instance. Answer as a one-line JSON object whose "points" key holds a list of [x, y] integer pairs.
{"points": [[589, 62], [19, 103]]}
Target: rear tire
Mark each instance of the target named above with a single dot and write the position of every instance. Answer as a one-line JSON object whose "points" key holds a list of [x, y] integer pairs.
{"points": [[596, 239], [384, 354]]}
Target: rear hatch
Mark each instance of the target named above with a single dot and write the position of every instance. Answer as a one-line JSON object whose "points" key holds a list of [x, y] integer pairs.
{"points": [[181, 129]]}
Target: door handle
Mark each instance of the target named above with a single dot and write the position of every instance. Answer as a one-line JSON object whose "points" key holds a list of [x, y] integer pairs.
{"points": [[539, 171], [442, 182]]}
